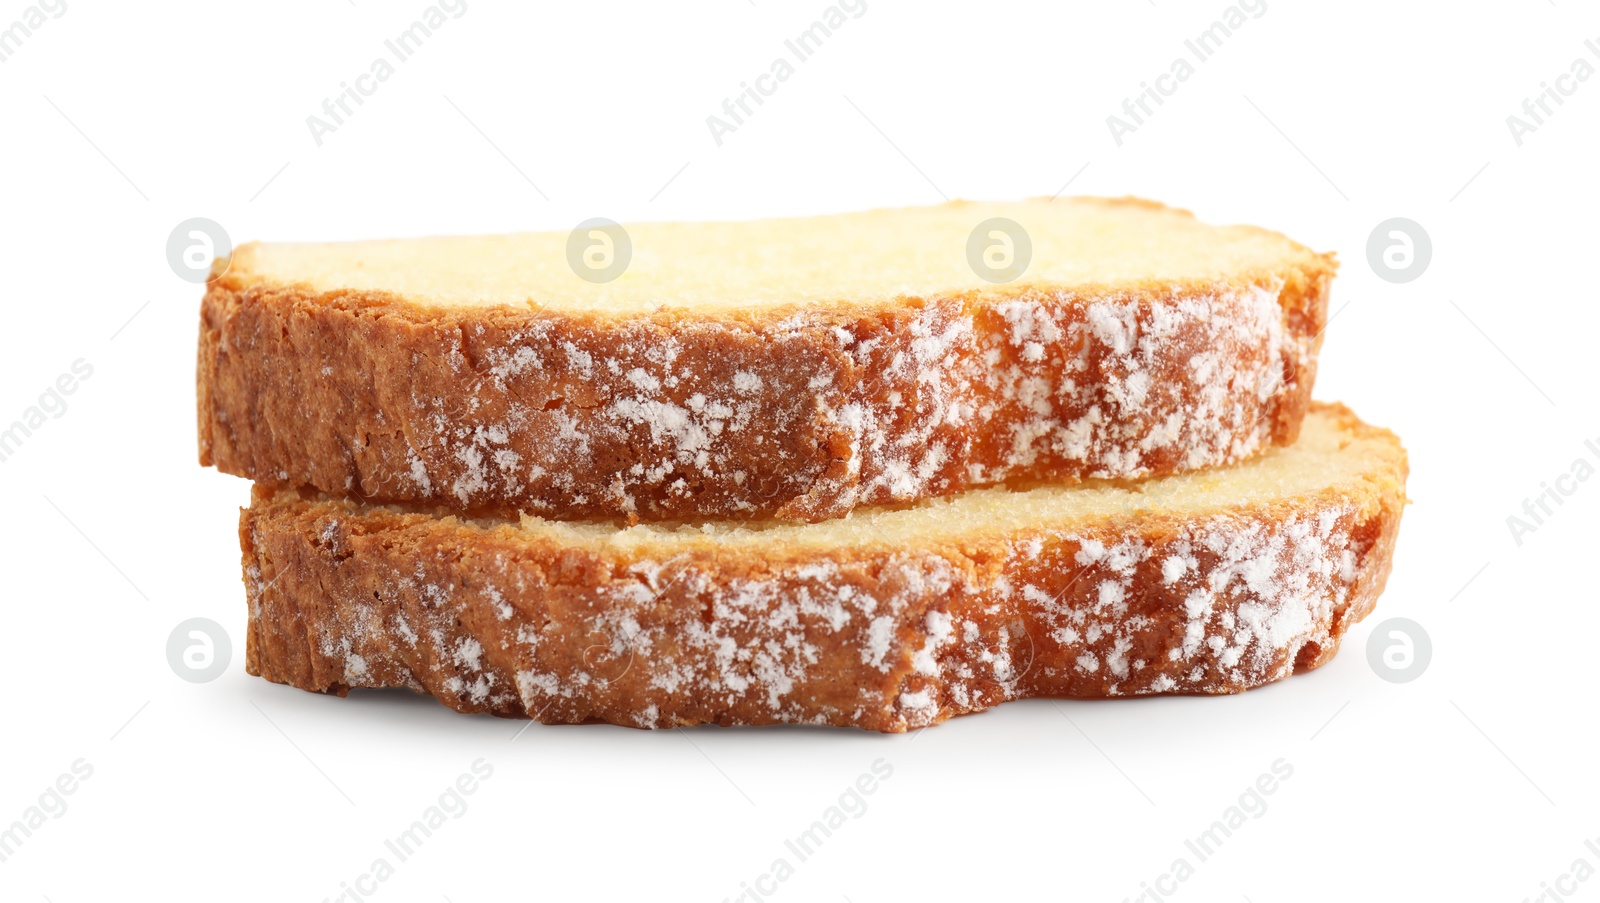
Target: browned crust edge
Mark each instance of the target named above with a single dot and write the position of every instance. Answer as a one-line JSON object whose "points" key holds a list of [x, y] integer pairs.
{"points": [[799, 415], [504, 621]]}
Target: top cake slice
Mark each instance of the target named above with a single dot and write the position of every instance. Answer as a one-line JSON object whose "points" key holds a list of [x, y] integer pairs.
{"points": [[792, 368]]}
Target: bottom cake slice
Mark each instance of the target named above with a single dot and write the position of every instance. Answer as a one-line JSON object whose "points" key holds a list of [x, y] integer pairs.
{"points": [[889, 620]]}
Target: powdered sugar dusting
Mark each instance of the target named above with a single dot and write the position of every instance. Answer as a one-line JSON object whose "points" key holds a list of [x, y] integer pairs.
{"points": [[893, 641], [812, 412]]}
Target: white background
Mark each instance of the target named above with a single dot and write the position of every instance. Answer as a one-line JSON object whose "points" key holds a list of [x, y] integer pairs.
{"points": [[1476, 781]]}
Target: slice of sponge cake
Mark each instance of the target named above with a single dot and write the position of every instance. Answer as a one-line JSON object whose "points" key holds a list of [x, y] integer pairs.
{"points": [[889, 620], [794, 368]]}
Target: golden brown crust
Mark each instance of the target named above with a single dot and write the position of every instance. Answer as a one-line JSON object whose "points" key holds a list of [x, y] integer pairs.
{"points": [[512, 621], [802, 414]]}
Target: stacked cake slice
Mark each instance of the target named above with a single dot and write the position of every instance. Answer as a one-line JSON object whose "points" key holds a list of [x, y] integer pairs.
{"points": [[872, 470]]}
